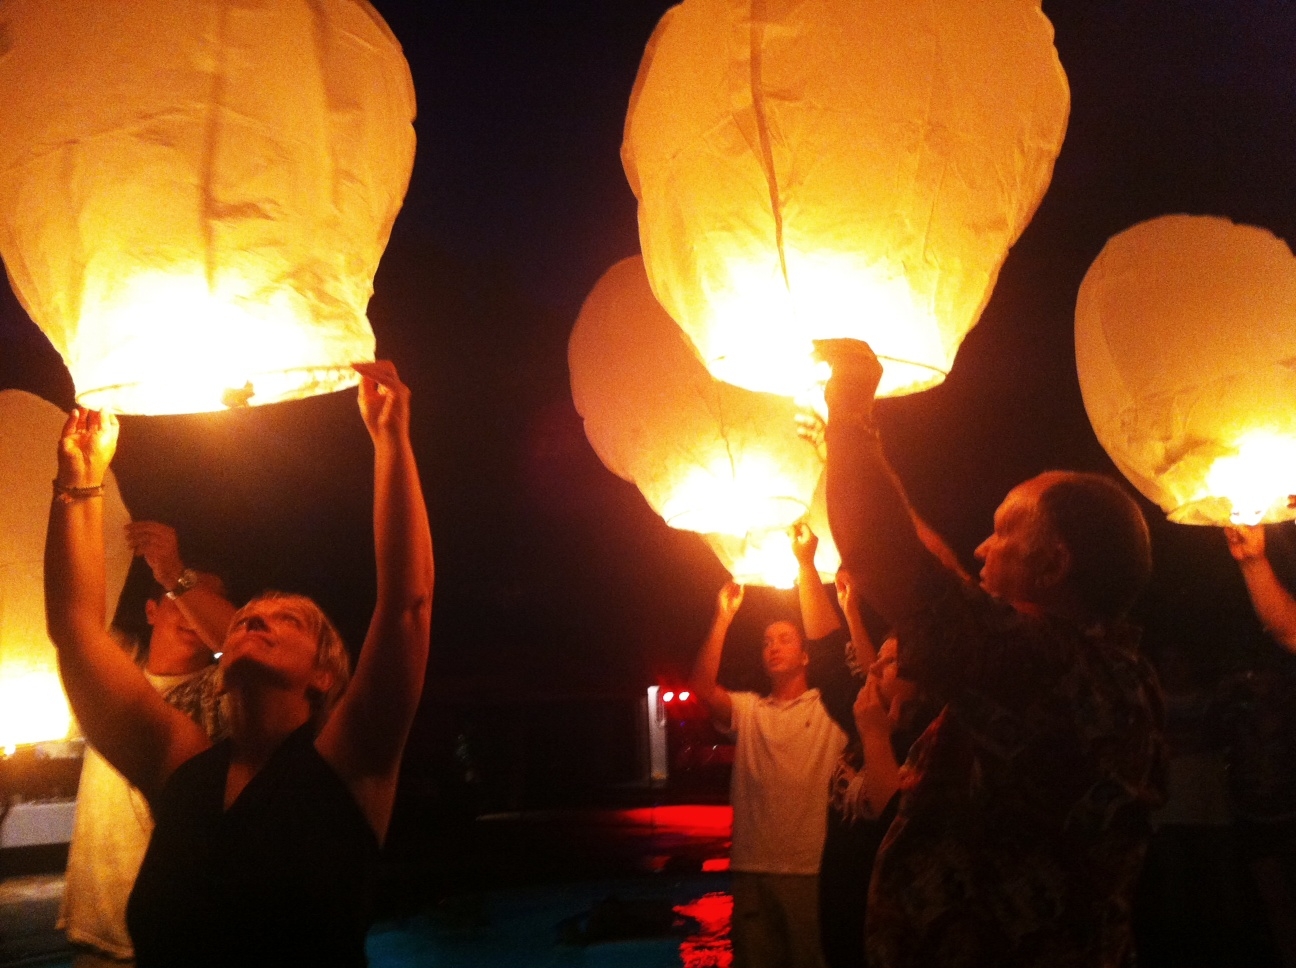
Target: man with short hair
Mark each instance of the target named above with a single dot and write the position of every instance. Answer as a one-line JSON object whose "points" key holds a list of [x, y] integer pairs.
{"points": [[786, 749], [1025, 807], [188, 616]]}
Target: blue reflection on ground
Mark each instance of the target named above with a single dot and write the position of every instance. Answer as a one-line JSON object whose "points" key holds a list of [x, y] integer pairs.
{"points": [[645, 922]]}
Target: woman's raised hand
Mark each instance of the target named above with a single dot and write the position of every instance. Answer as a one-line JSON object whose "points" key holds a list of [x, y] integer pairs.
{"points": [[384, 400], [86, 447]]}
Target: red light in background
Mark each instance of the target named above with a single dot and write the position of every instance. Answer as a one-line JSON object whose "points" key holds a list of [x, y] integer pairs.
{"points": [[684, 696], [667, 697]]}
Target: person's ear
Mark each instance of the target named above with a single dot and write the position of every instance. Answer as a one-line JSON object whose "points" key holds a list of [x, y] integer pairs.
{"points": [[321, 681], [1054, 566], [150, 610]]}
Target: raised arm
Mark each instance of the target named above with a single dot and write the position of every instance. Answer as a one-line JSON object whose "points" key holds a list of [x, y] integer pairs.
{"points": [[881, 776], [365, 737], [121, 715], [1273, 604], [817, 613], [868, 511], [201, 603], [706, 668], [865, 650]]}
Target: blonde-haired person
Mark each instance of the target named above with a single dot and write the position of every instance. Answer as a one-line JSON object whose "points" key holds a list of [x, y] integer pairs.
{"points": [[264, 842]]}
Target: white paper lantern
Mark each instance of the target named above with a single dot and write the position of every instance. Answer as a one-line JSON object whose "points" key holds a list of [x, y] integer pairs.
{"points": [[708, 457], [1185, 342], [195, 194], [839, 168], [33, 708]]}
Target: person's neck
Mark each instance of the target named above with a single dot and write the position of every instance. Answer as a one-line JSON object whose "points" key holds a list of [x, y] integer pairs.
{"points": [[170, 659], [1061, 604], [261, 719], [789, 687]]}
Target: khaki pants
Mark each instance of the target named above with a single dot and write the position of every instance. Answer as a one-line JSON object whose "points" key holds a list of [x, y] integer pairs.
{"points": [[775, 921]]}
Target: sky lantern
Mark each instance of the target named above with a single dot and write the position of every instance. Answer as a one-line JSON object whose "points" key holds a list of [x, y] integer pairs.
{"points": [[765, 557], [708, 457], [839, 168], [195, 194], [33, 708], [1185, 336]]}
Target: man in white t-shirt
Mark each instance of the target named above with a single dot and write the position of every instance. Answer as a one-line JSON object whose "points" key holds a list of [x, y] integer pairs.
{"points": [[786, 748]]}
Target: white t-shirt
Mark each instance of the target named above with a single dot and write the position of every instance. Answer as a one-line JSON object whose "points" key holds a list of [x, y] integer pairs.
{"points": [[109, 836], [785, 754]]}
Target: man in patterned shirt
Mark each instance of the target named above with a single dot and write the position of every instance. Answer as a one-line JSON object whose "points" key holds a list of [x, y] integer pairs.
{"points": [[1025, 807], [188, 616]]}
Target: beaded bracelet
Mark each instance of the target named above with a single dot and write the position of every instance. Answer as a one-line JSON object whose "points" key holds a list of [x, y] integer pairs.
{"points": [[67, 495]]}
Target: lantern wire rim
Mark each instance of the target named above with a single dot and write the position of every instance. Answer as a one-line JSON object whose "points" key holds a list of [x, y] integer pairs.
{"points": [[150, 398]]}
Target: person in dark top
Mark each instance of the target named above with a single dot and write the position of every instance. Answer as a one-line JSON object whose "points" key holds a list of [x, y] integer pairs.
{"points": [[887, 714], [263, 842], [1025, 808]]}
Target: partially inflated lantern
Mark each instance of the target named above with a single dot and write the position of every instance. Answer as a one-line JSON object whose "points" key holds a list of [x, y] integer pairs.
{"points": [[195, 194], [32, 706], [1185, 337], [839, 168], [708, 457]]}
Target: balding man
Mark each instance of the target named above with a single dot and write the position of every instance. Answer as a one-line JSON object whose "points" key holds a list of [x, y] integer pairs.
{"points": [[1024, 816]]}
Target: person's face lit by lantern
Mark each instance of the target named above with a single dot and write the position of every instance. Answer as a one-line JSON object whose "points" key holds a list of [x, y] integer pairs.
{"points": [[270, 640], [892, 689], [784, 652], [1012, 558]]}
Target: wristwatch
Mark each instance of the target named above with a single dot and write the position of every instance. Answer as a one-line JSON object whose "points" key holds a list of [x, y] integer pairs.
{"points": [[188, 578]]}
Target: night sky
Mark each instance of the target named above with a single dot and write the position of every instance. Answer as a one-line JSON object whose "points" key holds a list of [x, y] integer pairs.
{"points": [[553, 575]]}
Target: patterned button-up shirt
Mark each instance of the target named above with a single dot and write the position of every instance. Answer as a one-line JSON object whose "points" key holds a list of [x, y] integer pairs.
{"points": [[1024, 814]]}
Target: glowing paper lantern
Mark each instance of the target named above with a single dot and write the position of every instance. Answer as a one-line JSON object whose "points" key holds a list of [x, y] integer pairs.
{"points": [[195, 194], [33, 708], [708, 457], [835, 168], [1185, 336]]}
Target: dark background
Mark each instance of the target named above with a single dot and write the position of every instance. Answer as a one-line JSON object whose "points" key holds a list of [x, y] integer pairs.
{"points": [[557, 587]]}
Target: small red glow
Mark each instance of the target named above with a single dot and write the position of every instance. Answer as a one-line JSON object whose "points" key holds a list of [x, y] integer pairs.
{"points": [[684, 696], [687, 820], [667, 697], [715, 864]]}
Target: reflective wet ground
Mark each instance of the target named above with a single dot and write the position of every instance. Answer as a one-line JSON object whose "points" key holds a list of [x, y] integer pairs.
{"points": [[626, 888]]}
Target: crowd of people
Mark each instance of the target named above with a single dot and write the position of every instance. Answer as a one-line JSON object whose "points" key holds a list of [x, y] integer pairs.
{"points": [[1002, 759], [979, 789]]}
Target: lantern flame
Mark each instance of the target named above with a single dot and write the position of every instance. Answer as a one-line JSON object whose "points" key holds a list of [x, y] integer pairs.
{"points": [[749, 342], [173, 316], [757, 558], [33, 709], [1258, 477], [734, 498]]}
